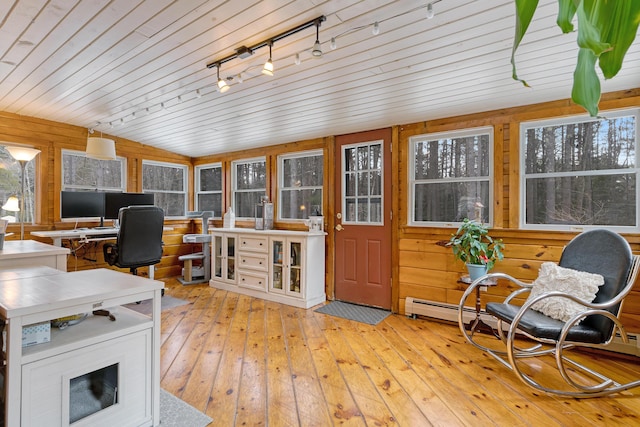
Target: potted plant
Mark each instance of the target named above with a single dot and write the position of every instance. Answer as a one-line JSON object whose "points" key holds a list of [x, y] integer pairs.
{"points": [[472, 245]]}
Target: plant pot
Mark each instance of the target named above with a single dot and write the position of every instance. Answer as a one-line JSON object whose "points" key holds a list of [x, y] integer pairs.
{"points": [[476, 271]]}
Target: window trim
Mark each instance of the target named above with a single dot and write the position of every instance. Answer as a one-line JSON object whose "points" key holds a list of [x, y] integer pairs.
{"points": [[197, 190], [185, 185], [234, 181], [579, 118], [456, 133], [280, 171]]}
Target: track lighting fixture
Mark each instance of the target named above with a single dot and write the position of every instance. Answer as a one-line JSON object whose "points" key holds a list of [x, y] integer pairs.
{"points": [[333, 43], [430, 12], [376, 28], [267, 70], [317, 50], [222, 85], [297, 60]]}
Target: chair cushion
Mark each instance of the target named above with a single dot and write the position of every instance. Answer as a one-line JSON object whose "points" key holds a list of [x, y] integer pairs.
{"points": [[552, 277], [541, 326]]}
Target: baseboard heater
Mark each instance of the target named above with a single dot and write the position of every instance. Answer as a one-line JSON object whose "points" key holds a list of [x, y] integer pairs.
{"points": [[414, 307]]}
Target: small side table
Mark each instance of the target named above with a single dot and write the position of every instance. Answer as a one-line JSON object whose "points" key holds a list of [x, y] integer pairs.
{"points": [[478, 324]]}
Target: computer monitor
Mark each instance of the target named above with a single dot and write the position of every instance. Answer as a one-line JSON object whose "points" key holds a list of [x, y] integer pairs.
{"points": [[114, 201], [82, 204]]}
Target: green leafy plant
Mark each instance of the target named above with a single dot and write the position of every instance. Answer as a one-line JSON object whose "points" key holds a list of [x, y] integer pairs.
{"points": [[606, 30], [472, 244]]}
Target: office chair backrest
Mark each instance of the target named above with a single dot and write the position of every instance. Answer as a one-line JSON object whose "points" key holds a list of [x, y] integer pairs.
{"points": [[140, 236], [601, 252]]}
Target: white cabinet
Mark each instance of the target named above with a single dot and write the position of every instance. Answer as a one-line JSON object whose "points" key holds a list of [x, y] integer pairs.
{"points": [[287, 266], [223, 260], [54, 383], [277, 265]]}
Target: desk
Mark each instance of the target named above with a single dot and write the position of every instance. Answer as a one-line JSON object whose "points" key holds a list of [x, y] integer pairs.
{"points": [[78, 234], [132, 343], [31, 253]]}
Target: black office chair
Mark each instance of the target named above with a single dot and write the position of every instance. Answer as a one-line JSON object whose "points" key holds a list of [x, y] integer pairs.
{"points": [[139, 241]]}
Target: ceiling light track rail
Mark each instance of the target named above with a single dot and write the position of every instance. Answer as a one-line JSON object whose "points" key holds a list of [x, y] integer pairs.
{"points": [[244, 52]]}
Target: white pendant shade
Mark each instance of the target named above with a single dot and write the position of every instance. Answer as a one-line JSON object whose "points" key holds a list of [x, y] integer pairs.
{"points": [[22, 154], [101, 148], [12, 205]]}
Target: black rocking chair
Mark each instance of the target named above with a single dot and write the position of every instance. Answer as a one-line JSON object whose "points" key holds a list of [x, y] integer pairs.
{"points": [[596, 251]]}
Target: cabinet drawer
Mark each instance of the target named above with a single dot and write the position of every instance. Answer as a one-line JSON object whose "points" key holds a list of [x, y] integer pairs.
{"points": [[252, 280], [253, 261], [254, 243]]}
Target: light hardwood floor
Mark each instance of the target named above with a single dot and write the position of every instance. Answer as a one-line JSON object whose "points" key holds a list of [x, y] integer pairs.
{"points": [[247, 362]]}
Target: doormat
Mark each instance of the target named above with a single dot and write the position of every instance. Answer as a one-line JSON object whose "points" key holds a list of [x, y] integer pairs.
{"points": [[166, 302], [359, 313], [176, 412]]}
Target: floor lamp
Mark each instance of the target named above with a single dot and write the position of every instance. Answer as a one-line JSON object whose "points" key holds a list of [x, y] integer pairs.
{"points": [[23, 155]]}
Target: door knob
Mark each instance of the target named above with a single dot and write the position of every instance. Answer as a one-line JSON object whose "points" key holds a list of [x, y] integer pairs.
{"points": [[339, 227]]}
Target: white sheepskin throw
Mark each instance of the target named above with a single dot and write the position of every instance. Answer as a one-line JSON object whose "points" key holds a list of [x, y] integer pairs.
{"points": [[552, 277]]}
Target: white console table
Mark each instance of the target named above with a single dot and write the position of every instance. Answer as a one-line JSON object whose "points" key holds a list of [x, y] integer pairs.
{"points": [[37, 377], [29, 253], [278, 265]]}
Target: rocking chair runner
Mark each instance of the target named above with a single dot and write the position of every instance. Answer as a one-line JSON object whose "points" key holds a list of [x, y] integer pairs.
{"points": [[596, 251]]}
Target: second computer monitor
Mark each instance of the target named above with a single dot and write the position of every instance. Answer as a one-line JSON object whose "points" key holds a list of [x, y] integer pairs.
{"points": [[114, 201]]}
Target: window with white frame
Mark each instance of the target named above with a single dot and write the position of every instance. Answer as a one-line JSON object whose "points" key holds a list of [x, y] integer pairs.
{"points": [[82, 173], [11, 185], [249, 185], [168, 183], [581, 172], [209, 189], [300, 179], [450, 177]]}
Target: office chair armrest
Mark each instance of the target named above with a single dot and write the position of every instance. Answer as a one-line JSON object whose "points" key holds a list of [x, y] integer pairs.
{"points": [[110, 251]]}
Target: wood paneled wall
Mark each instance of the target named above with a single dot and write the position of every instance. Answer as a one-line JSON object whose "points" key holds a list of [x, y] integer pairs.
{"points": [[426, 268], [422, 266]]}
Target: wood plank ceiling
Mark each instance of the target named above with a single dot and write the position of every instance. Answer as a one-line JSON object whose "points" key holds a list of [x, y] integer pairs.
{"points": [[137, 69]]}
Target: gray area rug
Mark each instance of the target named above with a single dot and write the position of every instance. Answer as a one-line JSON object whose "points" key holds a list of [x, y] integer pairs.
{"points": [[359, 313], [166, 302], [175, 412]]}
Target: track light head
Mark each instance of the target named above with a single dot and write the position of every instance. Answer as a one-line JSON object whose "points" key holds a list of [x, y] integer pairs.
{"points": [[430, 12], [268, 66], [334, 45], [376, 28], [317, 49], [222, 85], [297, 60]]}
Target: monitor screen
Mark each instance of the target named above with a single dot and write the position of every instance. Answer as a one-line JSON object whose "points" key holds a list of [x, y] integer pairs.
{"points": [[81, 204], [115, 201]]}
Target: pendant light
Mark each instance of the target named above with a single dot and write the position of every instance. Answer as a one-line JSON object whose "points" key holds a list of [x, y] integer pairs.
{"points": [[268, 66], [317, 49], [222, 85]]}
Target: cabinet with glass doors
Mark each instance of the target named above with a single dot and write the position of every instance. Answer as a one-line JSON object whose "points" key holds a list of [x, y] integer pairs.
{"points": [[287, 265], [223, 258]]}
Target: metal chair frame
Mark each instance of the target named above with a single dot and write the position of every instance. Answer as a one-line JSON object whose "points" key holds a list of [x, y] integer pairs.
{"points": [[510, 354]]}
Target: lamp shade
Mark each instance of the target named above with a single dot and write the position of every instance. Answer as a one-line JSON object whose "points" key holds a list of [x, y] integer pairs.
{"points": [[101, 148], [12, 205], [22, 154]]}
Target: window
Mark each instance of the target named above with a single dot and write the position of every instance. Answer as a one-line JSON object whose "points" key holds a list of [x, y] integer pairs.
{"points": [[11, 185], [362, 169], [300, 179], [209, 189], [82, 173], [249, 182], [580, 172], [168, 183], [450, 177]]}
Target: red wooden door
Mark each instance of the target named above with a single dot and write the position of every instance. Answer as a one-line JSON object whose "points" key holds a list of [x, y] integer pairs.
{"points": [[363, 218]]}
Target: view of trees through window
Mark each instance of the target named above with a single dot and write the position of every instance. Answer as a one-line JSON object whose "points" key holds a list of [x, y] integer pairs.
{"points": [[581, 172], [300, 189], [451, 176], [80, 172], [11, 184], [209, 189], [168, 183], [249, 186]]}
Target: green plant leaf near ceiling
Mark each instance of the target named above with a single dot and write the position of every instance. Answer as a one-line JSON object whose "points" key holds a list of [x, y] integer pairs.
{"points": [[606, 30]]}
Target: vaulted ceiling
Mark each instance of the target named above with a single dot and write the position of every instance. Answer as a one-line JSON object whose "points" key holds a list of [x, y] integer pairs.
{"points": [[138, 69]]}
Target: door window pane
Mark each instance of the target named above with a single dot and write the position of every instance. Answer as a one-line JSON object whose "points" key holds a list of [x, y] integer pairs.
{"points": [[362, 183]]}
